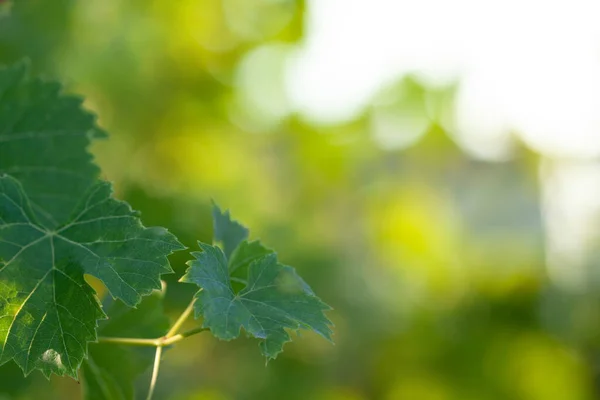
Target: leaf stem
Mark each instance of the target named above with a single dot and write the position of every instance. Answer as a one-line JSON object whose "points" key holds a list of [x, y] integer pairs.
{"points": [[180, 336], [162, 341], [170, 338], [181, 320], [155, 372], [129, 341]]}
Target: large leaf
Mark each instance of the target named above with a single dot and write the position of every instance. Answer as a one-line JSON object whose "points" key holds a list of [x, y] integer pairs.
{"points": [[110, 370], [43, 141], [48, 312], [274, 299]]}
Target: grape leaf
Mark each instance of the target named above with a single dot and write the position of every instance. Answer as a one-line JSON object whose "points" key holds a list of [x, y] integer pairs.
{"points": [[226, 231], [48, 313], [243, 255], [274, 299], [241, 258], [110, 370], [43, 141]]}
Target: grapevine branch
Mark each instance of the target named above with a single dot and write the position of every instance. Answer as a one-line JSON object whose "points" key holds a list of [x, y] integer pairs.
{"points": [[172, 336], [154, 372], [182, 318], [158, 342]]}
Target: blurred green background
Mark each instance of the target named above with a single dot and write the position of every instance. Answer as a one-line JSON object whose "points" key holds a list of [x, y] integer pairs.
{"points": [[434, 262]]}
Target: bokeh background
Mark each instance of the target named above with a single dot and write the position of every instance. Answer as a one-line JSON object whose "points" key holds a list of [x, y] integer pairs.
{"points": [[457, 244]]}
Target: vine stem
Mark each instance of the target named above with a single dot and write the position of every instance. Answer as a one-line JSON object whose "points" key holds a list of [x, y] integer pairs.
{"points": [[170, 338], [155, 372], [129, 341], [181, 320], [166, 341], [162, 341]]}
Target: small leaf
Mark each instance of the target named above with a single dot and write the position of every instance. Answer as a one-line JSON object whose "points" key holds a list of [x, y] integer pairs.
{"points": [[110, 370], [228, 232], [275, 299], [48, 312]]}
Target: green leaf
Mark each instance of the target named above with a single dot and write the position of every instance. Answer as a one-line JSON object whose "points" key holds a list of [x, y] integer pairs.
{"points": [[244, 254], [228, 232], [241, 258], [43, 141], [48, 312], [110, 370], [275, 299]]}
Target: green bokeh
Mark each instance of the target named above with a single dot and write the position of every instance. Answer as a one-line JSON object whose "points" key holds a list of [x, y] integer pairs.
{"points": [[434, 262]]}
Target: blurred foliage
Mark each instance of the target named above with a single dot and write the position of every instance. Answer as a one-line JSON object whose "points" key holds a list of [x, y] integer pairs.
{"points": [[434, 262]]}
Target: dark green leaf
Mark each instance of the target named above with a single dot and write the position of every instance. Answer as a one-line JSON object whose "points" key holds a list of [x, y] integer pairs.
{"points": [[48, 312], [275, 299]]}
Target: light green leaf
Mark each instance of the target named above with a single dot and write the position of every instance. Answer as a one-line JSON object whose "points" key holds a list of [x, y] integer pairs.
{"points": [[227, 232], [275, 299], [48, 312], [43, 140], [110, 370]]}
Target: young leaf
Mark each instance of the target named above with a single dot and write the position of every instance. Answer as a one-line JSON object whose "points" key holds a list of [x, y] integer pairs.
{"points": [[43, 141], [48, 312], [274, 299], [110, 370], [226, 231]]}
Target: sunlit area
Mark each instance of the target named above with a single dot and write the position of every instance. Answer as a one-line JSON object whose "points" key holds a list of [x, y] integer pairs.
{"points": [[430, 168]]}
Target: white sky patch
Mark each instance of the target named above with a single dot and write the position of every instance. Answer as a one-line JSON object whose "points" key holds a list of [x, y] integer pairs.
{"points": [[530, 66], [571, 211]]}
